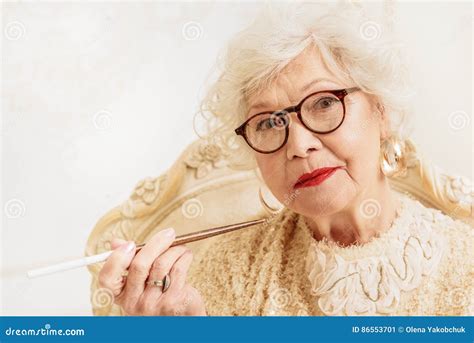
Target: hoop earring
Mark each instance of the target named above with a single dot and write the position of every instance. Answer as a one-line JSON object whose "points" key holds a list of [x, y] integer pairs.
{"points": [[268, 201], [393, 157], [271, 206]]}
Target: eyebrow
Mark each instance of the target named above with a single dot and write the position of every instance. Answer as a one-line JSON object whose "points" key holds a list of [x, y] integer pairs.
{"points": [[304, 89]]}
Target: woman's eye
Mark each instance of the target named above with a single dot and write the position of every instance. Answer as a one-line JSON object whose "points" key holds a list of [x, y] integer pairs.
{"points": [[325, 103], [265, 124]]}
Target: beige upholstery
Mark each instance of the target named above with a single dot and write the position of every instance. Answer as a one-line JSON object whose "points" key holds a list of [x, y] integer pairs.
{"points": [[200, 191]]}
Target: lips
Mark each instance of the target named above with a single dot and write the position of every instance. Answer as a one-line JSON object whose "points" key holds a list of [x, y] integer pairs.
{"points": [[316, 177]]}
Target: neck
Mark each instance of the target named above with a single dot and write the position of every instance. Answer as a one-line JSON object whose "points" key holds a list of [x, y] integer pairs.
{"points": [[371, 213]]}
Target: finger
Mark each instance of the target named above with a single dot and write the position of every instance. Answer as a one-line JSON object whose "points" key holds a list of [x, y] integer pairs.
{"points": [[110, 275], [141, 264], [179, 272], [116, 242], [162, 266]]}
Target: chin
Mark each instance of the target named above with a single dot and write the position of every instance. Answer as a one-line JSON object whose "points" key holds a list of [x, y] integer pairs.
{"points": [[314, 202]]}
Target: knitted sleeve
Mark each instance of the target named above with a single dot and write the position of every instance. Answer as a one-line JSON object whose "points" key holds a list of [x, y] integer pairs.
{"points": [[456, 278], [211, 275]]}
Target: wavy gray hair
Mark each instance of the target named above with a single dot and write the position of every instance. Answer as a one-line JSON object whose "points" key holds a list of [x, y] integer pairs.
{"points": [[359, 50]]}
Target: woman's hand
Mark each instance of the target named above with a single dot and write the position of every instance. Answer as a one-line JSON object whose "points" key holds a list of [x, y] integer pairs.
{"points": [[152, 262]]}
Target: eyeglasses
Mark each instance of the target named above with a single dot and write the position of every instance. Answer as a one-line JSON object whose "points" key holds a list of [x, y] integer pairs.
{"points": [[321, 112]]}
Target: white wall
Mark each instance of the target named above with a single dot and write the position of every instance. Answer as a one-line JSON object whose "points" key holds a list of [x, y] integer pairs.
{"points": [[96, 96]]}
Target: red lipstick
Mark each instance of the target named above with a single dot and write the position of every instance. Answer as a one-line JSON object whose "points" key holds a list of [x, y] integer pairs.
{"points": [[315, 178]]}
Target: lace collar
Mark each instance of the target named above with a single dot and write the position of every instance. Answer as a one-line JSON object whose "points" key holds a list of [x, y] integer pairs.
{"points": [[368, 279]]}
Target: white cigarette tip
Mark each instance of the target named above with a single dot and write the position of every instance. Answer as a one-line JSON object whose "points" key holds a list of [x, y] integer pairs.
{"points": [[30, 274], [81, 262]]}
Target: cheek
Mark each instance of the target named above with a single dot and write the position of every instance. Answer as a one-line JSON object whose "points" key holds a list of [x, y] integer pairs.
{"points": [[358, 143], [272, 169]]}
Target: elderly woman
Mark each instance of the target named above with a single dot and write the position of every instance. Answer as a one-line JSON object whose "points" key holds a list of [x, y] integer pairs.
{"points": [[317, 107]]}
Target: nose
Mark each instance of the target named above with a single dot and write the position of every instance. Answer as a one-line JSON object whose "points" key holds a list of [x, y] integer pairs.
{"points": [[301, 141]]}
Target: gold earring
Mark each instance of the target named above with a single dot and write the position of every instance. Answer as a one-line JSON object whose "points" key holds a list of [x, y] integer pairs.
{"points": [[269, 204], [392, 156], [268, 201]]}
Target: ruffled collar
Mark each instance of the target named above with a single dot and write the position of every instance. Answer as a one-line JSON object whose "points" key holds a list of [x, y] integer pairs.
{"points": [[369, 279]]}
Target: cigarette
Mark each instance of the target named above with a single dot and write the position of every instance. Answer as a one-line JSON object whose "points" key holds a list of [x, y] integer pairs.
{"points": [[182, 239]]}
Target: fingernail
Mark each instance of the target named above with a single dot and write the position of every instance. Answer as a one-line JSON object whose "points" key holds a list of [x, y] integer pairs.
{"points": [[128, 247], [169, 232]]}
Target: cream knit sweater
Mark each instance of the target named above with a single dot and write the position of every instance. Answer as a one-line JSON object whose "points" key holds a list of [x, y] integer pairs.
{"points": [[422, 265]]}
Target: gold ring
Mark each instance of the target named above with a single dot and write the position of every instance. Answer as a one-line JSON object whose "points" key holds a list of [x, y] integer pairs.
{"points": [[164, 284]]}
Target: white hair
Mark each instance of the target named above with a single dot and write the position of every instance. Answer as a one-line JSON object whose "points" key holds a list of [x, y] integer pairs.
{"points": [[358, 49]]}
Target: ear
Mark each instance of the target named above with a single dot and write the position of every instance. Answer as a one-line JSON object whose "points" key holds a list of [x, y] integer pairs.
{"points": [[384, 122]]}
